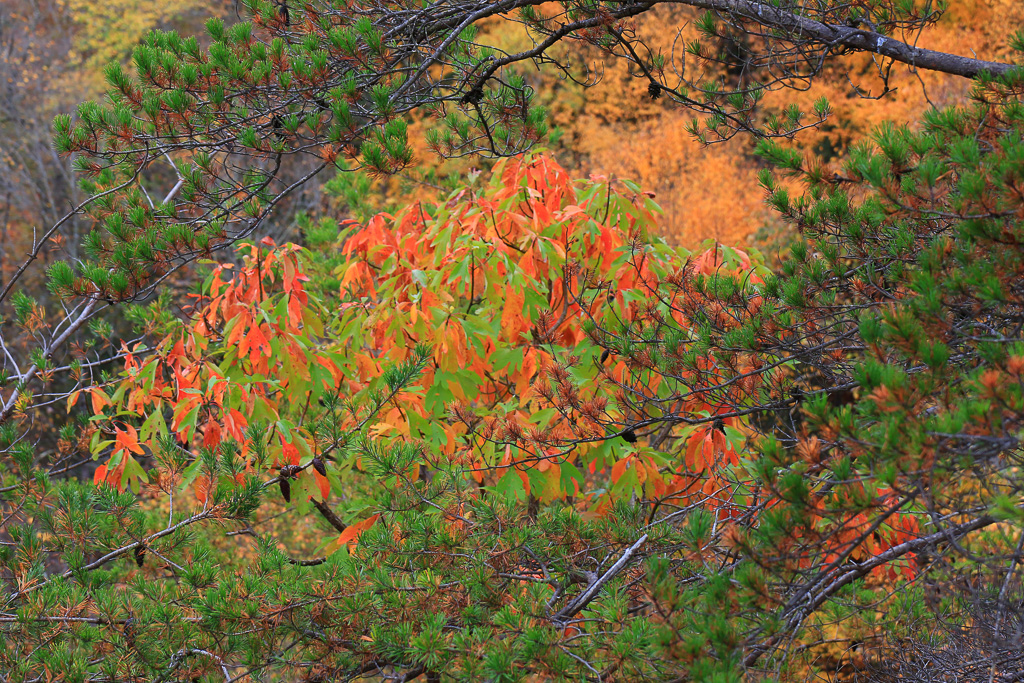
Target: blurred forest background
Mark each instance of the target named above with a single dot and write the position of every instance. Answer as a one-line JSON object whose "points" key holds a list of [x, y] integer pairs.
{"points": [[52, 55]]}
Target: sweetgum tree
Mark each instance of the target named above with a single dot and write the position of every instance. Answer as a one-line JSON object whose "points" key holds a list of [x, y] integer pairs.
{"points": [[538, 442]]}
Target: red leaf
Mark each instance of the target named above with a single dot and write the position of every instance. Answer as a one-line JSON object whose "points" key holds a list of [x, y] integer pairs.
{"points": [[235, 423], [255, 345], [606, 245]]}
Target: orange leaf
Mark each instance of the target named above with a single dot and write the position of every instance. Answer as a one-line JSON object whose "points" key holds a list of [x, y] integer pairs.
{"points": [[211, 434], [241, 321], [527, 265], [352, 533], [325, 486], [512, 316], [100, 475], [701, 450], [118, 474], [525, 378], [127, 440], [235, 423], [99, 400], [618, 469], [290, 451], [202, 489], [367, 367], [525, 479], [258, 344], [332, 367]]}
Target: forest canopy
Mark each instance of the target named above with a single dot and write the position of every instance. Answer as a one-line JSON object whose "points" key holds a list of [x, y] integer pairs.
{"points": [[254, 427]]}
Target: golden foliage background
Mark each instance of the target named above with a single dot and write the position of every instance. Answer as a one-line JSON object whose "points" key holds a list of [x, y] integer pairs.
{"points": [[55, 50]]}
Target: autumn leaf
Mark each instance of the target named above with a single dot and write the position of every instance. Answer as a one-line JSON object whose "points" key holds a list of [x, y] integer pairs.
{"points": [[127, 440], [99, 400], [350, 536], [619, 468], [201, 486], [211, 434], [321, 481], [512, 317], [255, 344]]}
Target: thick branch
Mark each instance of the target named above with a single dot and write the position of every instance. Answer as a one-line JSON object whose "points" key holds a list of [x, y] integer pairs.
{"points": [[577, 605], [328, 514], [794, 28], [803, 28]]}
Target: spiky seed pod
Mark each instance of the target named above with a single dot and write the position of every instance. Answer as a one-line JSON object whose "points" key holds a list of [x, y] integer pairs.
{"points": [[718, 425], [654, 90], [629, 435], [286, 490], [140, 554], [318, 465], [604, 355]]}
